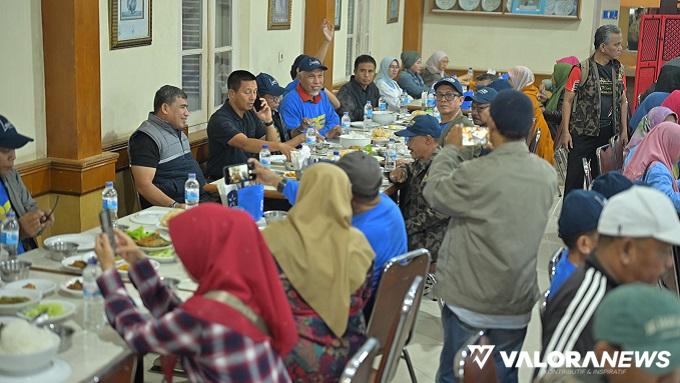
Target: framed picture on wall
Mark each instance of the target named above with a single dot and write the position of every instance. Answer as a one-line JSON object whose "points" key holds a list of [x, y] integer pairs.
{"points": [[338, 14], [392, 11], [129, 23], [279, 14], [528, 7]]}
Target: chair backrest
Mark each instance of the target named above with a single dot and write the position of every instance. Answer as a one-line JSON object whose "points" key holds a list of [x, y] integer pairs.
{"points": [[606, 159], [360, 367], [534, 143], [396, 279], [465, 364], [400, 332], [588, 174], [561, 156]]}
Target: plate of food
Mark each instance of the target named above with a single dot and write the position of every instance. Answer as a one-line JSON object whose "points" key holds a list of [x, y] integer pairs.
{"points": [[123, 266], [77, 263], [167, 216], [149, 240], [290, 175], [13, 300], [85, 241], [363, 124], [73, 287], [56, 309], [162, 256], [44, 286], [380, 135]]}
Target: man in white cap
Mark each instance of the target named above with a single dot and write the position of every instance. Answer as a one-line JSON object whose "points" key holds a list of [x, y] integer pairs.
{"points": [[637, 228]]}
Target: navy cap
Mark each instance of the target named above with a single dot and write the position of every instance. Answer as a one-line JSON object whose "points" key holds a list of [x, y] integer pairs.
{"points": [[9, 137], [309, 64], [611, 183], [452, 81], [266, 84], [423, 125], [483, 95], [500, 84], [580, 214], [512, 113]]}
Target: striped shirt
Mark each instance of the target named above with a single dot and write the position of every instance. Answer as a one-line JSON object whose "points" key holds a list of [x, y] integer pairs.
{"points": [[568, 317], [209, 352]]}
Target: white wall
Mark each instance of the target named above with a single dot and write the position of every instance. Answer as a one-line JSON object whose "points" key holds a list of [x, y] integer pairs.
{"points": [[502, 42], [22, 99]]}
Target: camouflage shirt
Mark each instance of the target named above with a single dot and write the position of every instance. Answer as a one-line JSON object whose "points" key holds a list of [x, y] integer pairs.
{"points": [[424, 227]]}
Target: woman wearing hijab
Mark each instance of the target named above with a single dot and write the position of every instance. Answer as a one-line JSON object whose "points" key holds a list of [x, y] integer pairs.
{"points": [[238, 323], [571, 60], [653, 100], [655, 116], [522, 79], [325, 268], [553, 107], [654, 160], [388, 87], [672, 102], [409, 78], [435, 68]]}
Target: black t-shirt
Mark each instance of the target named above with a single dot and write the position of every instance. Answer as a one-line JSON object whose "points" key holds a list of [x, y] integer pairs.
{"points": [[144, 151], [606, 93], [223, 125]]}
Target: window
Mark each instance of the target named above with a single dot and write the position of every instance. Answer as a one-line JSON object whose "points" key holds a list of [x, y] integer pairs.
{"points": [[207, 54], [357, 32]]}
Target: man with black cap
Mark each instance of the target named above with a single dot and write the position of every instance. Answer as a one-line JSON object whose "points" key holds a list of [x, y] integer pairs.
{"points": [[308, 105], [13, 193], [499, 205], [269, 89], [424, 226], [481, 101], [374, 213]]}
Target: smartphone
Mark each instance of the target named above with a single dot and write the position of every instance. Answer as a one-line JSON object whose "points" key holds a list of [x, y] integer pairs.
{"points": [[475, 135], [106, 222], [238, 174], [257, 104]]}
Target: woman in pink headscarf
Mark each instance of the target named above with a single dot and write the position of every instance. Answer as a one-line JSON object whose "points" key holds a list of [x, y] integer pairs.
{"points": [[654, 160], [655, 116]]}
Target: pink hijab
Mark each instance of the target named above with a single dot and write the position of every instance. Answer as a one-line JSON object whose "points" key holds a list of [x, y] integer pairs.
{"points": [[521, 77], [661, 144], [572, 60]]}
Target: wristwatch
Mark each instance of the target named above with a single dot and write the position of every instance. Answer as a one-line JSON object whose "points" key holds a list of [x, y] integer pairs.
{"points": [[173, 204], [270, 123], [281, 185]]}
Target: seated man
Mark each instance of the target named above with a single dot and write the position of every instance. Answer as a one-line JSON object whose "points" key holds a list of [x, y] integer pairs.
{"points": [[308, 105], [13, 193], [481, 100], [359, 89], [577, 227], [374, 213], [637, 229], [236, 131], [269, 89], [424, 226], [160, 154]]}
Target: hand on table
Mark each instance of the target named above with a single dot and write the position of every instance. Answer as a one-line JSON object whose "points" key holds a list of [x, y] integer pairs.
{"points": [[125, 247], [336, 131], [263, 175]]}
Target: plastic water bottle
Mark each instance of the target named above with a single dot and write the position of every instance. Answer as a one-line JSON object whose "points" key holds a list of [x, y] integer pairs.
{"points": [[93, 303], [9, 235], [345, 123], [431, 100], [382, 104], [423, 99], [336, 156], [310, 136], [436, 114], [390, 156], [471, 74], [110, 200], [265, 156], [191, 191], [404, 102], [368, 112]]}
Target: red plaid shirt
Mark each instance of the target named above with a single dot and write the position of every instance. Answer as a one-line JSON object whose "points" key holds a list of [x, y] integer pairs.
{"points": [[209, 352]]}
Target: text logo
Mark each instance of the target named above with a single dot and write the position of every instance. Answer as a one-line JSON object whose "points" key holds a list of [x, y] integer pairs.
{"points": [[480, 354]]}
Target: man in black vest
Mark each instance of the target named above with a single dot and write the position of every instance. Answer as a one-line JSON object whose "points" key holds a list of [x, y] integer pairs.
{"points": [[160, 154], [595, 107]]}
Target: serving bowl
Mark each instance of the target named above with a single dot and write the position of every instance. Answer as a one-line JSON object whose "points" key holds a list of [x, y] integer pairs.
{"points": [[14, 270], [275, 215], [348, 140], [384, 117], [60, 250], [20, 363], [33, 296]]}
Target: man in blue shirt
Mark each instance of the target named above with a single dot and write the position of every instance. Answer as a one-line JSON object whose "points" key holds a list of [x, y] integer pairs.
{"points": [[374, 213], [308, 105], [577, 226]]}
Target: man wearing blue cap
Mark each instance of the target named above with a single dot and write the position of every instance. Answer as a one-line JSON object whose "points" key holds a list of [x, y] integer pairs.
{"points": [[499, 205], [577, 227], [308, 105], [449, 95], [269, 89], [611, 183], [424, 226], [481, 101]]}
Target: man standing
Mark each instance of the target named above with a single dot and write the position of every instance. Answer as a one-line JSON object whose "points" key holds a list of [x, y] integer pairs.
{"points": [[236, 131], [13, 193], [424, 226], [486, 270], [308, 104], [269, 89], [360, 89], [160, 154], [595, 107], [481, 100]]}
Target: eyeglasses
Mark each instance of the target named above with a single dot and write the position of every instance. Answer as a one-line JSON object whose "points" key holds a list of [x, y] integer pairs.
{"points": [[446, 96]]}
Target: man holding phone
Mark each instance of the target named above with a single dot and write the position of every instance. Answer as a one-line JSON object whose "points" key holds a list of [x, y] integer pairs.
{"points": [[237, 130]]}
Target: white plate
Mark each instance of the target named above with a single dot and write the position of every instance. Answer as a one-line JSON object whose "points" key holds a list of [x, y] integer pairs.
{"points": [[469, 5], [69, 310], [11, 309], [150, 217], [75, 293], [445, 4], [58, 372], [45, 286], [168, 259], [277, 158], [66, 262], [85, 241], [361, 124], [154, 264], [490, 5]]}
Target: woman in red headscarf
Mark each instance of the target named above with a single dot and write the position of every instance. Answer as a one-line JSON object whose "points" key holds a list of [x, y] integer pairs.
{"points": [[236, 326]]}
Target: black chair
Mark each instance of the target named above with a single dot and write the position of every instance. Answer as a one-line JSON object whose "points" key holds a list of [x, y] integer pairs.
{"points": [[359, 368]]}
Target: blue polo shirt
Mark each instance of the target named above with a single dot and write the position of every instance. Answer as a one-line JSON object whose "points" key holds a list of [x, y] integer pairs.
{"points": [[297, 105], [6, 207], [383, 227], [563, 271]]}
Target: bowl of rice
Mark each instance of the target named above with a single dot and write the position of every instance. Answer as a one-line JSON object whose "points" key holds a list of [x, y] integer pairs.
{"points": [[25, 348]]}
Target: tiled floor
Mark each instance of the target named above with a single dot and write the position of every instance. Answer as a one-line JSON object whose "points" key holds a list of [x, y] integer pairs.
{"points": [[426, 343]]}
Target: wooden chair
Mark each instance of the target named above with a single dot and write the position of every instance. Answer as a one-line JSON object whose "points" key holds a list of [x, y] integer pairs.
{"points": [[359, 368], [465, 366], [533, 146], [119, 371], [587, 174], [397, 277], [400, 332]]}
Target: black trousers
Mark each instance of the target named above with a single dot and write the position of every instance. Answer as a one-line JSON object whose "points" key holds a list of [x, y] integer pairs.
{"points": [[584, 147]]}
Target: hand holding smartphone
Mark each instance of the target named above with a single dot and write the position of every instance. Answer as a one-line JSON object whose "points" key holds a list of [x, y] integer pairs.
{"points": [[239, 174], [106, 222]]}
